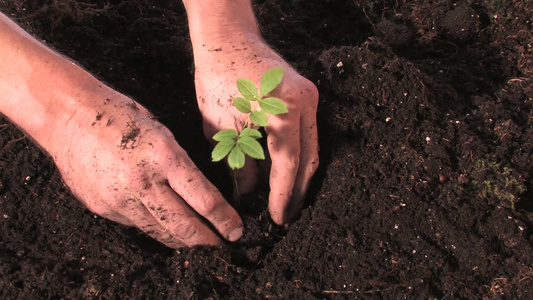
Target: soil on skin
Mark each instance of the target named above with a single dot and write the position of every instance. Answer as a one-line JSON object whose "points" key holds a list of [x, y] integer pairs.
{"points": [[425, 184]]}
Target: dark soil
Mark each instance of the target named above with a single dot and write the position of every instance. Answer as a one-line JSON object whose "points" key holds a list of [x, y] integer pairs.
{"points": [[425, 185]]}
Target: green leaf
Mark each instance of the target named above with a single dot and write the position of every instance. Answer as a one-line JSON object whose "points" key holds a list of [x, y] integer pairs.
{"points": [[236, 158], [259, 117], [253, 133], [226, 134], [273, 106], [270, 80], [222, 149], [251, 147], [243, 105], [247, 89]]}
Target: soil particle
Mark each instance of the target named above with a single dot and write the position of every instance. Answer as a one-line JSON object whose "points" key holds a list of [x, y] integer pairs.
{"points": [[462, 23], [130, 137]]}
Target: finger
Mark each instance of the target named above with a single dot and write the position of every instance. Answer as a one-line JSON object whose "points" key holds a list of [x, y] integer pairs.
{"points": [[308, 155], [244, 179], [139, 216], [204, 198], [176, 217], [284, 147], [114, 216]]}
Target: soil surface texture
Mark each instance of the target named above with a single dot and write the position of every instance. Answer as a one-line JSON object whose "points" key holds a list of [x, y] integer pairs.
{"points": [[425, 185]]}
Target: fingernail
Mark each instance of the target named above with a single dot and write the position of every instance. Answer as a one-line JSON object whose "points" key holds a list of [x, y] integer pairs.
{"points": [[235, 234]]}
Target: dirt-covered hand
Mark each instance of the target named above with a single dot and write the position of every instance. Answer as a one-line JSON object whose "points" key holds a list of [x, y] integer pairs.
{"points": [[292, 137], [127, 167], [112, 154]]}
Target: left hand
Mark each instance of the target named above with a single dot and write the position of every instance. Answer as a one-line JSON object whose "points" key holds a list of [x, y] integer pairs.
{"points": [[292, 137]]}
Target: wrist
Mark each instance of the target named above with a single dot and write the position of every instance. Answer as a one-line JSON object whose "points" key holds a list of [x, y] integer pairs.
{"points": [[41, 90], [51, 106], [213, 22]]}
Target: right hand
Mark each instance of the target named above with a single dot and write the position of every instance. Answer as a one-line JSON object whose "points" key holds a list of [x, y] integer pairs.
{"points": [[127, 167], [119, 161]]}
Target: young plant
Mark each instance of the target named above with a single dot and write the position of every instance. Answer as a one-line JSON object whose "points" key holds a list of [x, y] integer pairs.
{"points": [[236, 145]]}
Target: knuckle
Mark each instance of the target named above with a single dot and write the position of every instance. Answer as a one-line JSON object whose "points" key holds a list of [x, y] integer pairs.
{"points": [[123, 204], [292, 164], [166, 132], [313, 96], [165, 143], [164, 146], [122, 195], [184, 229], [310, 93], [295, 93], [310, 88], [130, 178], [208, 204]]}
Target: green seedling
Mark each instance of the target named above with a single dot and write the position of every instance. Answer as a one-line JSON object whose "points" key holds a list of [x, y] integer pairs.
{"points": [[234, 145]]}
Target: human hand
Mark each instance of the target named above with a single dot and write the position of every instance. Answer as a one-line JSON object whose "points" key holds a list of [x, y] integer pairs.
{"points": [[119, 161], [292, 138], [127, 167]]}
